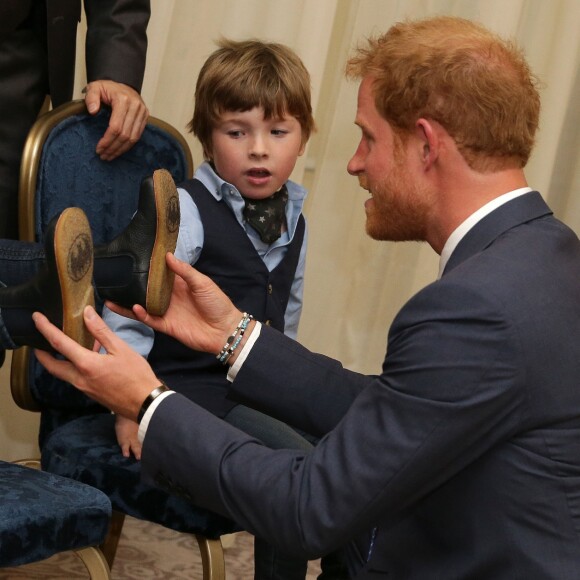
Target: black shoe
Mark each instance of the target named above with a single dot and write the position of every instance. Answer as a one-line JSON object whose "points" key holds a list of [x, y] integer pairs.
{"points": [[131, 269], [60, 290], [2, 357]]}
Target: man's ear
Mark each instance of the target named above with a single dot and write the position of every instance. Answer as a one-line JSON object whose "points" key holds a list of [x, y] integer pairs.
{"points": [[429, 142]]}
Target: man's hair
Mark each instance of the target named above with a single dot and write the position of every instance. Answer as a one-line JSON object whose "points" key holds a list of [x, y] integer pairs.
{"points": [[453, 71], [241, 75]]}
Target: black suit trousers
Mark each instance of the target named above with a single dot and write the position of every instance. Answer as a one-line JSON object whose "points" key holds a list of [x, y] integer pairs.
{"points": [[23, 88]]}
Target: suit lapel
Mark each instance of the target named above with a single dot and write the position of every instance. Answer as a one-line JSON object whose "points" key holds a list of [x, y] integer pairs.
{"points": [[518, 211]]}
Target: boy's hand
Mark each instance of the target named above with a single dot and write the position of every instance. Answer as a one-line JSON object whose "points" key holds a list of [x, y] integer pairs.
{"points": [[126, 431]]}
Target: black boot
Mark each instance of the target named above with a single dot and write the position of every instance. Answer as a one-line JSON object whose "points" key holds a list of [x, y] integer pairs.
{"points": [[131, 269], [61, 289]]}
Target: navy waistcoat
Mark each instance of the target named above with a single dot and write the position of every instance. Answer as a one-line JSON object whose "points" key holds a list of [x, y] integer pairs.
{"points": [[230, 259]]}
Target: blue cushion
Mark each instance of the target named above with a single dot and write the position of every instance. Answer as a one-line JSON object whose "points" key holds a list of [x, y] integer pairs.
{"points": [[42, 514], [86, 449]]}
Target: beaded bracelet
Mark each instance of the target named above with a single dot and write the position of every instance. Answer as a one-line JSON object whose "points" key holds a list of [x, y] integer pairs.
{"points": [[234, 339], [237, 341]]}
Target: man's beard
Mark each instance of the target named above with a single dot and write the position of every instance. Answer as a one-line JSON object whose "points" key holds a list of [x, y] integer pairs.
{"points": [[399, 210]]}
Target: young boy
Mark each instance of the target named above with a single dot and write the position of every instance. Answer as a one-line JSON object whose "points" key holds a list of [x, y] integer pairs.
{"points": [[241, 224]]}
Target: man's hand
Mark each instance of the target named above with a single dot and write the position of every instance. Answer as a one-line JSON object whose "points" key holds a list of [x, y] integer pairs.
{"points": [[200, 315], [128, 116], [120, 380]]}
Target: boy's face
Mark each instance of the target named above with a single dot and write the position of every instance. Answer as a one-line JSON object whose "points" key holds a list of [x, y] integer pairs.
{"points": [[256, 155]]}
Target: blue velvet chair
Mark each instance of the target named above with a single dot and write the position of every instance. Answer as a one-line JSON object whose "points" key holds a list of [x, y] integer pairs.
{"points": [[77, 437], [42, 514]]}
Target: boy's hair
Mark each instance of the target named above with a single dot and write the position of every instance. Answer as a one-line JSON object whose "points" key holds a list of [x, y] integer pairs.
{"points": [[453, 71], [241, 75]]}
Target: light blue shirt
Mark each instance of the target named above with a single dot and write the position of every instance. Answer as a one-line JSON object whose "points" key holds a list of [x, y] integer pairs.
{"points": [[190, 244]]}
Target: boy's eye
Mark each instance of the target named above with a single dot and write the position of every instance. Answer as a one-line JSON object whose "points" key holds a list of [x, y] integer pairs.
{"points": [[279, 132], [235, 133]]}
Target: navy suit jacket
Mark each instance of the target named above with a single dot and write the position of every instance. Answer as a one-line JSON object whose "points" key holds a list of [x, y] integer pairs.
{"points": [[463, 454]]}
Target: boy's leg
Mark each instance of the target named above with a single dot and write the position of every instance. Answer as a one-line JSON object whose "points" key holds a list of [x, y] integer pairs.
{"points": [[61, 288], [19, 261], [270, 563], [272, 432]]}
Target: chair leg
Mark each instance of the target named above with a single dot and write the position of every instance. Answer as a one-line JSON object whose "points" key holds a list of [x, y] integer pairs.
{"points": [[212, 558], [109, 546], [95, 563]]}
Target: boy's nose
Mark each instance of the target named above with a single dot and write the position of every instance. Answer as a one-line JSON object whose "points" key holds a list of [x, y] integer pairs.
{"points": [[258, 147]]}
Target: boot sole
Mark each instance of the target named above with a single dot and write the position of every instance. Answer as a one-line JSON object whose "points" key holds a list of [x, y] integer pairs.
{"points": [[160, 280], [73, 250]]}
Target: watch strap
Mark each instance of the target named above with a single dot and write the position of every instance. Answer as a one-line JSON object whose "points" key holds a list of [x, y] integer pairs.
{"points": [[162, 388]]}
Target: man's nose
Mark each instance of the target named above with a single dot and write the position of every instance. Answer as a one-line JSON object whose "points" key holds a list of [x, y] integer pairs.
{"points": [[355, 165]]}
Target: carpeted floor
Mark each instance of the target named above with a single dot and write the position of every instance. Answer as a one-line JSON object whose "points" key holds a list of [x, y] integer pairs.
{"points": [[150, 552]]}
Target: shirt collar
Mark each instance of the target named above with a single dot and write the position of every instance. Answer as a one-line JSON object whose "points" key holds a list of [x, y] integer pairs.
{"points": [[222, 190], [460, 232], [219, 188], [213, 182]]}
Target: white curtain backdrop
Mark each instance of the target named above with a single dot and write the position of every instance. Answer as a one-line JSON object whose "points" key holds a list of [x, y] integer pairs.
{"points": [[354, 285]]}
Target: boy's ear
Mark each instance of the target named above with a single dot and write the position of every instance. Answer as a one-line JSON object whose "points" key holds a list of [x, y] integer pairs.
{"points": [[207, 151]]}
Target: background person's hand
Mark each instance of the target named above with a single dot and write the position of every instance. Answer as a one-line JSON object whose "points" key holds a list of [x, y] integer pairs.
{"points": [[129, 116]]}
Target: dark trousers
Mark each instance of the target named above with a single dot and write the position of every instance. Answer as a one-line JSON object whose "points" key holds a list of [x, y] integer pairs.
{"points": [[271, 563], [23, 88]]}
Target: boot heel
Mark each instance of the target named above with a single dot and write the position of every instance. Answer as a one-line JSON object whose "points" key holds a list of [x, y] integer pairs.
{"points": [[73, 253], [160, 280]]}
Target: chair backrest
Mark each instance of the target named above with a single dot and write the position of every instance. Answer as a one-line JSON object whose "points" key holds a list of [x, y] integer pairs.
{"points": [[60, 169]]}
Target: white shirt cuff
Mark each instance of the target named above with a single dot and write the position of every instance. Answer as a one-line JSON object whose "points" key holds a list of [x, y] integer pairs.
{"points": [[234, 369], [149, 413]]}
